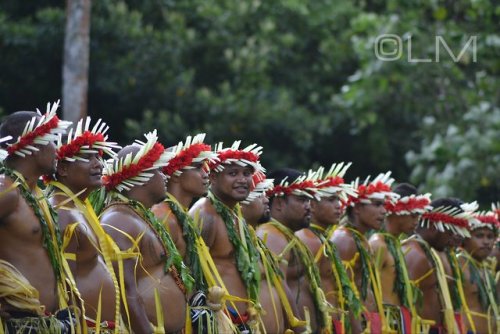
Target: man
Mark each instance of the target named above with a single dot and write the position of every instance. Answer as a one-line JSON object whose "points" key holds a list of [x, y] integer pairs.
{"points": [[423, 256], [326, 214], [402, 219], [290, 212], [85, 245], [226, 234], [479, 283], [365, 212], [151, 270], [278, 312], [187, 174], [255, 208], [33, 278]]}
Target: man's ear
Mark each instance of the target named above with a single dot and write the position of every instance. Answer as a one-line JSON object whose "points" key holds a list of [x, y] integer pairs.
{"points": [[62, 168]]}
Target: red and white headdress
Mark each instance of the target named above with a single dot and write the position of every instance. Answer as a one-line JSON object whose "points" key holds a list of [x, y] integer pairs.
{"points": [[447, 219], [495, 208], [192, 151], [81, 140], [3, 152], [484, 219], [248, 156], [41, 131], [377, 189], [260, 184], [332, 183], [133, 169], [304, 185], [408, 205]]}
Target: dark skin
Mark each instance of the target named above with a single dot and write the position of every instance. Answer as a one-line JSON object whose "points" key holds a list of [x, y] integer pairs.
{"points": [[479, 246], [362, 218], [89, 266], [420, 269], [192, 183], [144, 275], [294, 212], [21, 241], [230, 186], [325, 213], [395, 225]]}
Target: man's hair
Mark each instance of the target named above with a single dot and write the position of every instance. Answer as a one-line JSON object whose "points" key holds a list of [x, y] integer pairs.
{"points": [[281, 174], [405, 189], [14, 124]]}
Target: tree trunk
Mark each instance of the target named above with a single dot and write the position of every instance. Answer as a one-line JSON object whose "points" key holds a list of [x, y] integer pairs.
{"points": [[76, 59]]}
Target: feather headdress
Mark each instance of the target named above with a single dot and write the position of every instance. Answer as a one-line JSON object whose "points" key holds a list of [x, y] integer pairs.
{"points": [[39, 130], [135, 169], [192, 151], [249, 156]]}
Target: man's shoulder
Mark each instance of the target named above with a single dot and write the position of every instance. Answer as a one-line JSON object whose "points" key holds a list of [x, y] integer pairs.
{"points": [[122, 217], [163, 212], [377, 240], [10, 196], [204, 207]]}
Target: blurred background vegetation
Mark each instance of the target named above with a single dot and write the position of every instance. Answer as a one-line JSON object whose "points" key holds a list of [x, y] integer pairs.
{"points": [[298, 77]]}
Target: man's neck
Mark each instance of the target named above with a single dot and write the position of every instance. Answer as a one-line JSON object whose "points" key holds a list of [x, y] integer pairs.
{"points": [[182, 197], [30, 176], [357, 225], [229, 202], [392, 229], [319, 224]]}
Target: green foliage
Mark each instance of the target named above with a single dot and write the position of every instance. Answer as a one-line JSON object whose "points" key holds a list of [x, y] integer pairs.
{"points": [[299, 78]]}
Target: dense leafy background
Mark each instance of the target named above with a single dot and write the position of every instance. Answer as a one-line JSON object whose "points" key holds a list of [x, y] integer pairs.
{"points": [[300, 78]]}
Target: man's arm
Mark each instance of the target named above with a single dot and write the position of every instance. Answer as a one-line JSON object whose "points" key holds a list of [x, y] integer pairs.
{"points": [[418, 265], [208, 226], [379, 248], [121, 228], [9, 197]]}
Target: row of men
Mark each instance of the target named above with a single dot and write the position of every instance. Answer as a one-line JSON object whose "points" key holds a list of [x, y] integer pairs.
{"points": [[118, 246]]}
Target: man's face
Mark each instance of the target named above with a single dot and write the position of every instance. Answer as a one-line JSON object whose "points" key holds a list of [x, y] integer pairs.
{"points": [[405, 223], [258, 210], [233, 183], [46, 158], [372, 215], [480, 244], [195, 180], [442, 240], [297, 212], [79, 175], [157, 186], [327, 211]]}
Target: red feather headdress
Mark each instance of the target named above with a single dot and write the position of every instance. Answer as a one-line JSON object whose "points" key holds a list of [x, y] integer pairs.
{"points": [[41, 131], [447, 219], [414, 204], [132, 170], [248, 156], [332, 183], [260, 184], [304, 185], [193, 150], [379, 188], [82, 140]]}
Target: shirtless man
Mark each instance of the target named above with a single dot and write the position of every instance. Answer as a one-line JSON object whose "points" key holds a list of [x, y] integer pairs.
{"points": [[326, 214], [365, 212], [290, 212], [226, 233], [402, 219], [29, 250], [423, 256], [135, 183], [479, 283], [278, 312], [79, 171], [187, 174]]}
